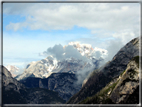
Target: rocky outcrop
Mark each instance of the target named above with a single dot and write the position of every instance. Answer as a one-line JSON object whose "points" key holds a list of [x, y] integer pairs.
{"points": [[14, 92], [101, 77], [123, 89], [41, 69], [63, 83], [128, 83]]}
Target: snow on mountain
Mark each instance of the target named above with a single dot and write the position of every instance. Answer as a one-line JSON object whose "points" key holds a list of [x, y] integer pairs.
{"points": [[87, 49], [13, 69], [50, 64]]}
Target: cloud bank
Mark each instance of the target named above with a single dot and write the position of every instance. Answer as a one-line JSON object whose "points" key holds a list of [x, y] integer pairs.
{"points": [[98, 17], [61, 53], [120, 22]]}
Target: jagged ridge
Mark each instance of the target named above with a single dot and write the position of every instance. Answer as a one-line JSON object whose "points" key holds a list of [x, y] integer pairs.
{"points": [[104, 75], [123, 89]]}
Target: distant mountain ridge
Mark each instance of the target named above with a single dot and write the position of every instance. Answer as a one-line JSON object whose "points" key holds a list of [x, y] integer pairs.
{"points": [[117, 82], [99, 78], [49, 65], [13, 70]]}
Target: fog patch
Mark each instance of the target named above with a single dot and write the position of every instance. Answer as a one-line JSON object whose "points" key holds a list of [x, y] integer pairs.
{"points": [[113, 47], [82, 74]]}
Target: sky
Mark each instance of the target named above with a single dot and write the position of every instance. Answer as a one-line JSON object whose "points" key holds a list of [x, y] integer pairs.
{"points": [[29, 29]]}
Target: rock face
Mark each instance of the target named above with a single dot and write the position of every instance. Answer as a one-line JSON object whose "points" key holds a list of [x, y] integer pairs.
{"points": [[101, 77], [128, 83], [63, 83], [14, 92], [41, 69], [123, 89]]}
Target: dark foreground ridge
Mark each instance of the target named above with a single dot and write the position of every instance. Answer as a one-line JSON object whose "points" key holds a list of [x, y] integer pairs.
{"points": [[15, 92], [121, 90]]}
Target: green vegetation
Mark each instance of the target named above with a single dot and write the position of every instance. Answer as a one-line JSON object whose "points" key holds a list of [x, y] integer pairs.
{"points": [[122, 73], [104, 91], [12, 97], [43, 96], [101, 97], [47, 96]]}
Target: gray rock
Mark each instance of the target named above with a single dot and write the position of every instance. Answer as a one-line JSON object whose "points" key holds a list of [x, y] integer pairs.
{"points": [[127, 84]]}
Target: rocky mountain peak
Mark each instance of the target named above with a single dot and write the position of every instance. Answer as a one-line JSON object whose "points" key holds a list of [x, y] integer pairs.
{"points": [[45, 67], [88, 51], [13, 69]]}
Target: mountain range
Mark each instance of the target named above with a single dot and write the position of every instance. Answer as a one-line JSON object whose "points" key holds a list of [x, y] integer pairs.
{"points": [[56, 81], [45, 67]]}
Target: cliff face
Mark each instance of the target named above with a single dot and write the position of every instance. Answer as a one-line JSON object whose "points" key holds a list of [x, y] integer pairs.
{"points": [[101, 77], [128, 83], [63, 83], [14, 92], [123, 89]]}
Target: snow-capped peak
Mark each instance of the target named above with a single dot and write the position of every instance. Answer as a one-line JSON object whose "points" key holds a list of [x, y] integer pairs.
{"points": [[50, 64]]}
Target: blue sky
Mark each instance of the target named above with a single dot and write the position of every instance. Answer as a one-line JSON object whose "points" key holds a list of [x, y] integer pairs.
{"points": [[29, 29]]}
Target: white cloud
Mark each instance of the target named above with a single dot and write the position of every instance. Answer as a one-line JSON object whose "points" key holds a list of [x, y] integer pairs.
{"points": [[120, 21], [126, 36], [70, 52], [113, 47], [117, 20], [48, 16]]}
